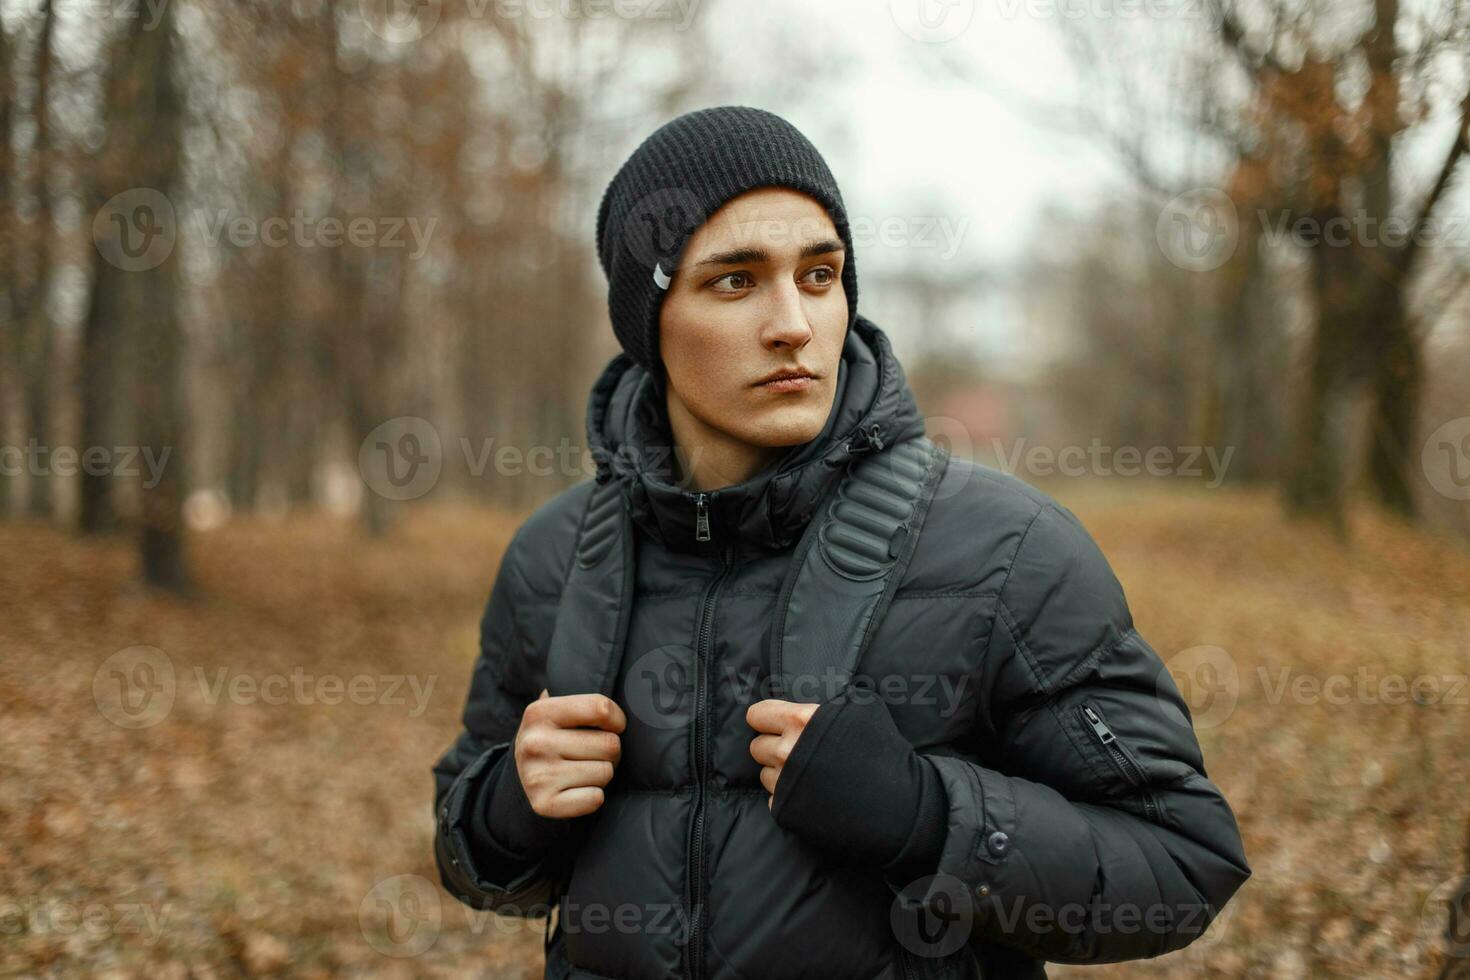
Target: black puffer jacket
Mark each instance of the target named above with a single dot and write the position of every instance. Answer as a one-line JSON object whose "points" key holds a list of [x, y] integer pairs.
{"points": [[1081, 824]]}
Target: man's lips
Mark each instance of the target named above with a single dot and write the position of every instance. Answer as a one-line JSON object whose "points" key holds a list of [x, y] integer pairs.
{"points": [[801, 383], [788, 382]]}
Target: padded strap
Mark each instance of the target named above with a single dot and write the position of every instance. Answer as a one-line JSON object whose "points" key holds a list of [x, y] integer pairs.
{"points": [[592, 619], [847, 567]]}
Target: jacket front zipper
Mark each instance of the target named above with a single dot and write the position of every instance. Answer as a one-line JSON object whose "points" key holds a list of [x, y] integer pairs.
{"points": [[1121, 759], [694, 957], [701, 518], [908, 964]]}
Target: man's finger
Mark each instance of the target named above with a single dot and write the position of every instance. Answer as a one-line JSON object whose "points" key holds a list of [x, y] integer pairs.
{"points": [[769, 750], [569, 775], [773, 715], [581, 744], [769, 777], [575, 802], [585, 711]]}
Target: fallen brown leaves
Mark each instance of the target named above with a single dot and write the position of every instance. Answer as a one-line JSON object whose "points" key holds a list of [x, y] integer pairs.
{"points": [[241, 832]]}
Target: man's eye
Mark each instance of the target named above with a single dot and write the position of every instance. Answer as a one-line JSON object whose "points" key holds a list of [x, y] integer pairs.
{"points": [[824, 271], [744, 282]]}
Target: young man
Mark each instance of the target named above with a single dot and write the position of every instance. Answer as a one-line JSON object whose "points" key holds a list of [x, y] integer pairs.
{"points": [[1008, 776]]}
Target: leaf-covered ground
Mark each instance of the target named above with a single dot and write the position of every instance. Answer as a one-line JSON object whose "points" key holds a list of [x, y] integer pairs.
{"points": [[238, 784]]}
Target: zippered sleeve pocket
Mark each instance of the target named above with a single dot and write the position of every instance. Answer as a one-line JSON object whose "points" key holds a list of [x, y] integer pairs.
{"points": [[1119, 757]]}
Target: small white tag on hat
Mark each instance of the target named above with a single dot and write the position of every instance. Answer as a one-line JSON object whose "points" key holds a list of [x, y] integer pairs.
{"points": [[660, 278]]}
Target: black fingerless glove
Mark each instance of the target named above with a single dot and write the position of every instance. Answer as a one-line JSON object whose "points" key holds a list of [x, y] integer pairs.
{"points": [[505, 818], [854, 783]]}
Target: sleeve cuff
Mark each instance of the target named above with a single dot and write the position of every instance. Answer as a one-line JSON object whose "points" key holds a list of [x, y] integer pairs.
{"points": [[854, 784], [920, 856], [504, 817]]}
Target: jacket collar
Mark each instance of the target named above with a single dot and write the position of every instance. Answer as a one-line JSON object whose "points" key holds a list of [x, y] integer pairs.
{"points": [[628, 432]]}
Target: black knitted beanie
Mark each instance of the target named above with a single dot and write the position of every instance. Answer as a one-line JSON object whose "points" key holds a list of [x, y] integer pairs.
{"points": [[673, 182]]}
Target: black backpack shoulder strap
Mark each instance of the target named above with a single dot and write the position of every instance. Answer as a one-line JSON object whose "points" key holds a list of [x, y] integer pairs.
{"points": [[591, 629], [847, 566]]}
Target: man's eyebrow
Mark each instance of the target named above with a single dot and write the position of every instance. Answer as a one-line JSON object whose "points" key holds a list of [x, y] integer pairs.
{"points": [[824, 247], [754, 256]]}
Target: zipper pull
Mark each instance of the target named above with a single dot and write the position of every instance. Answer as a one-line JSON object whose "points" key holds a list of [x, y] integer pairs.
{"points": [[701, 519], [1099, 727]]}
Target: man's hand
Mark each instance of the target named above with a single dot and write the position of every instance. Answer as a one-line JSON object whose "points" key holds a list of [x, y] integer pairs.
{"points": [[781, 724], [566, 750]]}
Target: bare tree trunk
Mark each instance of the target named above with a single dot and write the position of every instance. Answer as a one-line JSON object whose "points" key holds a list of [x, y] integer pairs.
{"points": [[1398, 383], [38, 348], [1398, 380], [101, 349], [158, 378], [98, 366], [1315, 488], [7, 259]]}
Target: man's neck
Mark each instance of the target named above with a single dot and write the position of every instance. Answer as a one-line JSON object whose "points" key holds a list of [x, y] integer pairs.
{"points": [[706, 458]]}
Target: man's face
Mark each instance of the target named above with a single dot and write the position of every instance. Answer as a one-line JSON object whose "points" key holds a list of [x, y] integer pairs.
{"points": [[758, 290]]}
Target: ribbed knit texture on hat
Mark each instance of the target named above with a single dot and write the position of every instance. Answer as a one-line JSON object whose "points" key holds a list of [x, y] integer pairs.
{"points": [[670, 185]]}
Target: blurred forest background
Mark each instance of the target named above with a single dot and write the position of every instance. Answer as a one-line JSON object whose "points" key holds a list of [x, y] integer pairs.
{"points": [[244, 244]]}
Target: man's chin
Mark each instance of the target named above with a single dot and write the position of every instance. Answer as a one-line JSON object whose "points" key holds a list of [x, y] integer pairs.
{"points": [[786, 427]]}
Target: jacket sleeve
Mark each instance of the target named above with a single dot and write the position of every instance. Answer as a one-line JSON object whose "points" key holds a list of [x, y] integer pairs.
{"points": [[1096, 836], [474, 866]]}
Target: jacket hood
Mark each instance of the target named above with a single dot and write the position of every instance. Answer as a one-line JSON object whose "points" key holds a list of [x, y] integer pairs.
{"points": [[629, 438]]}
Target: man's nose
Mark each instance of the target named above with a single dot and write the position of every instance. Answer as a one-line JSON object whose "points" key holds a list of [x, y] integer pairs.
{"points": [[786, 320]]}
